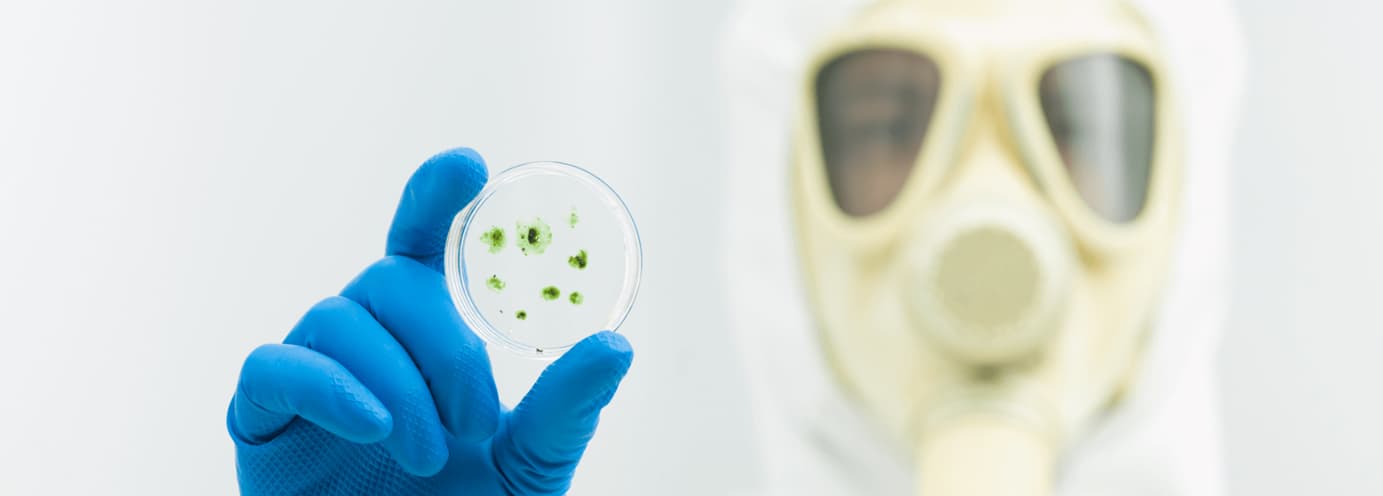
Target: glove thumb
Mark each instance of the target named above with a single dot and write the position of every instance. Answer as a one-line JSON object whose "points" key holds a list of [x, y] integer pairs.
{"points": [[550, 428]]}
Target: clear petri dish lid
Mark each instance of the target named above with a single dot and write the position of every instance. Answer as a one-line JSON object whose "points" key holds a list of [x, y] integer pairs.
{"points": [[545, 255]]}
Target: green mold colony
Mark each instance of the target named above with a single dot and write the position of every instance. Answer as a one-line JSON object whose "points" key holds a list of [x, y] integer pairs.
{"points": [[494, 238], [577, 261], [534, 237], [495, 283]]}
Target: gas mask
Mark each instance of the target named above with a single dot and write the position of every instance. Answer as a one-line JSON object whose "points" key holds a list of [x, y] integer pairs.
{"points": [[984, 196]]}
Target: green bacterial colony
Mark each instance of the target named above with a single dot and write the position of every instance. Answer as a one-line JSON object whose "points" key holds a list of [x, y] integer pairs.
{"points": [[495, 283], [578, 261], [494, 238], [533, 238]]}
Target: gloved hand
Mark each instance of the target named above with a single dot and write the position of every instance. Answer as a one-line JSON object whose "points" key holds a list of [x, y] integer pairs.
{"points": [[383, 390]]}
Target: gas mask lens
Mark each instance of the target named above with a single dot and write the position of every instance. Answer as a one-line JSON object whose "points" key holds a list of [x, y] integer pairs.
{"points": [[874, 107], [1100, 111]]}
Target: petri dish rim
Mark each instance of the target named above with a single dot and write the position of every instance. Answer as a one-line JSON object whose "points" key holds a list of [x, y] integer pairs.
{"points": [[456, 274]]}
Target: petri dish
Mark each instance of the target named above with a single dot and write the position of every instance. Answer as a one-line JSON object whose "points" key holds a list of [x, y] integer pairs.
{"points": [[545, 255]]}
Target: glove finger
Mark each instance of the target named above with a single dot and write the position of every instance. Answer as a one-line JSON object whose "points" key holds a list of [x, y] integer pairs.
{"points": [[279, 382], [440, 188], [339, 328], [550, 428], [412, 302]]}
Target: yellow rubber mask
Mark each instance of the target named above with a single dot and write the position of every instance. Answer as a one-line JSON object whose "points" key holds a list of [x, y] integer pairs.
{"points": [[984, 195]]}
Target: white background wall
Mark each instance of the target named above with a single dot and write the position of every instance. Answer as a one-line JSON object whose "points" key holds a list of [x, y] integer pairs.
{"points": [[180, 180], [1303, 358]]}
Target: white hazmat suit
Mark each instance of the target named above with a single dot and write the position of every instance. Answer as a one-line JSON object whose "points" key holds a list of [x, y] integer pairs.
{"points": [[1163, 439]]}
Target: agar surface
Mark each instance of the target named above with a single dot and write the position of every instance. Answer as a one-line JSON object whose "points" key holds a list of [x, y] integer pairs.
{"points": [[533, 237]]}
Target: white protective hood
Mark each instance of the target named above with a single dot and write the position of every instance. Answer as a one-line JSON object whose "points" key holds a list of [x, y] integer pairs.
{"points": [[1165, 438]]}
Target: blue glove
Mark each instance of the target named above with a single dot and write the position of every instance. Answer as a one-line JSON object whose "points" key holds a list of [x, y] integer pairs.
{"points": [[383, 390]]}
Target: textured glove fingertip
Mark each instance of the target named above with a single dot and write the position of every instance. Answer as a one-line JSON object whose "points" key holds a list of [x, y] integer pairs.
{"points": [[365, 420]]}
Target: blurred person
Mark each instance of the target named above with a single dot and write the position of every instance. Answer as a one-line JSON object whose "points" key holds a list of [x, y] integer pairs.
{"points": [[975, 249], [1006, 220]]}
